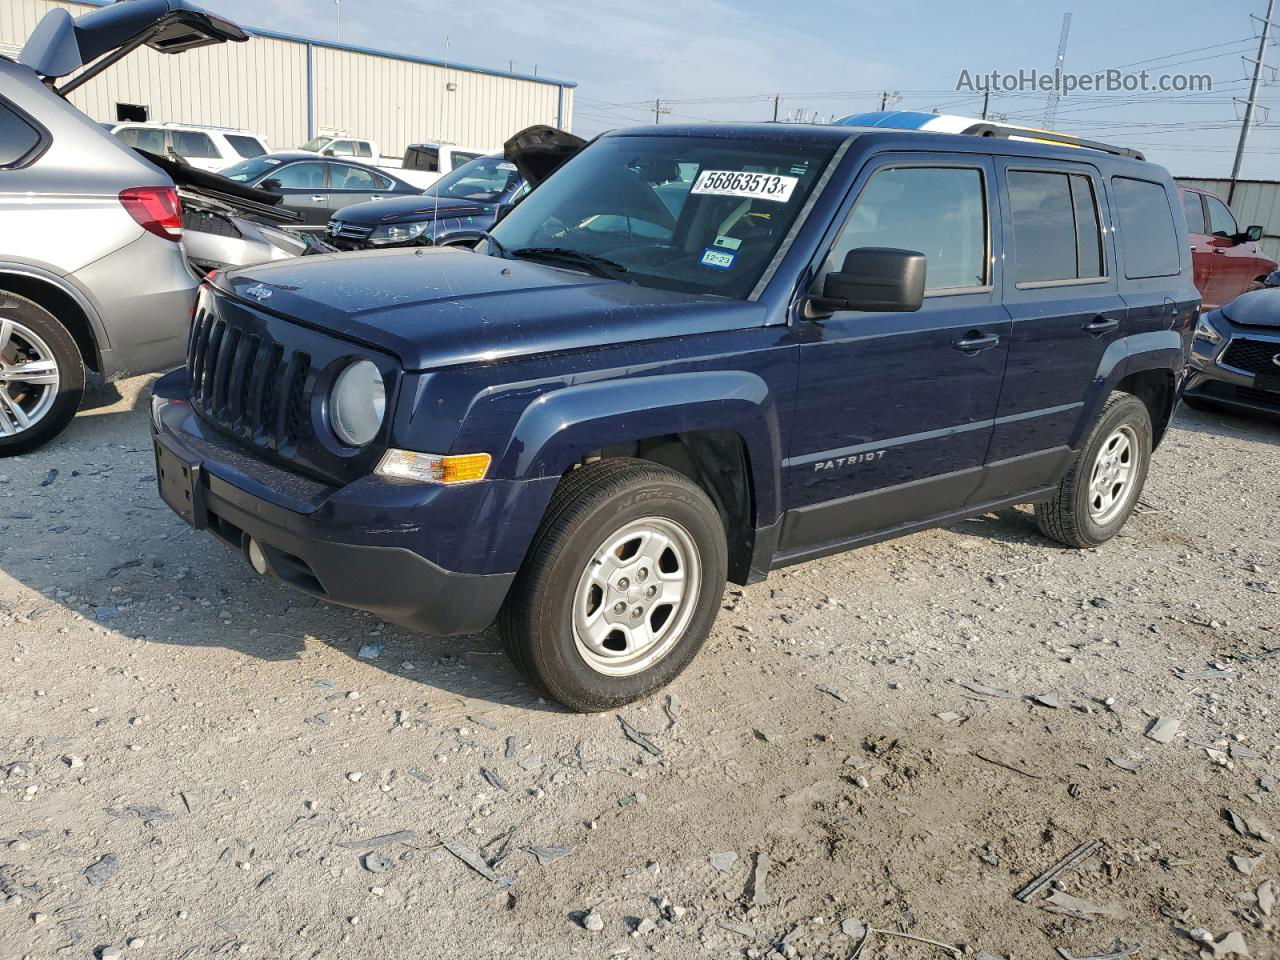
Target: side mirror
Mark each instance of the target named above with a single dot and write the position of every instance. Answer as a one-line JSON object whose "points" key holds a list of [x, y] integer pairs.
{"points": [[1251, 234], [503, 209], [273, 185], [875, 280], [329, 152]]}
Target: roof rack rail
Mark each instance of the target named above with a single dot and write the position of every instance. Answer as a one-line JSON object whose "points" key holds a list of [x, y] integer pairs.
{"points": [[1004, 132]]}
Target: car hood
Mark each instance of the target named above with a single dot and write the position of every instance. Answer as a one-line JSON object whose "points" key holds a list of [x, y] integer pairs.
{"points": [[1261, 308], [437, 307], [411, 209], [61, 44]]}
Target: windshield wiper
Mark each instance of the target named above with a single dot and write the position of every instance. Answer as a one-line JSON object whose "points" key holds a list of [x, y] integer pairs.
{"points": [[600, 266]]}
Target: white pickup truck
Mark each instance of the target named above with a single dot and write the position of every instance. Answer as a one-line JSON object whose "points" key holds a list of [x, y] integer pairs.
{"points": [[422, 164]]}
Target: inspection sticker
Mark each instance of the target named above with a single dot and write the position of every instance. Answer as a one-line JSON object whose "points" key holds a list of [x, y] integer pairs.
{"points": [[506, 165], [755, 186], [717, 259]]}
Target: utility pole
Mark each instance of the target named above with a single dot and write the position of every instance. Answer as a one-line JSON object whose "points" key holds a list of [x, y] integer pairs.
{"points": [[1051, 105], [986, 102], [777, 100], [887, 99], [1253, 99], [659, 108]]}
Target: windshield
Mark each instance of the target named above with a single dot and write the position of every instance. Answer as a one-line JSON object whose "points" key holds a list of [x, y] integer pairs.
{"points": [[697, 214], [246, 171], [315, 145], [486, 180]]}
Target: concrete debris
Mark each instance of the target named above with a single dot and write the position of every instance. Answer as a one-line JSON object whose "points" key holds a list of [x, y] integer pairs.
{"points": [[471, 859], [1127, 763], [1245, 865], [370, 651], [1163, 729], [103, 870], [1046, 700], [638, 738], [491, 777], [1228, 945], [737, 926], [546, 855], [724, 862], [1077, 907], [592, 921], [853, 927], [378, 862], [950, 717], [1248, 828], [1266, 894], [759, 890]]}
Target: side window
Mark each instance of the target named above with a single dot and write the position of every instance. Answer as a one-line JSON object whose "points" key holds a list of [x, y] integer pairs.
{"points": [[342, 148], [19, 140], [299, 176], [422, 158], [938, 211], [190, 143], [1146, 227], [144, 138], [1055, 227], [1221, 222], [343, 176], [363, 149], [1193, 211], [247, 147], [458, 159]]}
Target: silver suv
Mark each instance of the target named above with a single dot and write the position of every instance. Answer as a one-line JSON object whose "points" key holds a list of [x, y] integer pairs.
{"points": [[92, 271]]}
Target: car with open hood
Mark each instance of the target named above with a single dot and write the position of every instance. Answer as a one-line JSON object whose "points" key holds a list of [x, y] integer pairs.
{"points": [[456, 211], [690, 354], [86, 282]]}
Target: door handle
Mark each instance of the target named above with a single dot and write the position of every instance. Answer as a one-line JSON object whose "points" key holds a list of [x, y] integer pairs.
{"points": [[375, 197], [1100, 325], [973, 341], [319, 199]]}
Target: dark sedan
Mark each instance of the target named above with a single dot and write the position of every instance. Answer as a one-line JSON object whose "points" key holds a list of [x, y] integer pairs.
{"points": [[1235, 359], [457, 209], [315, 187]]}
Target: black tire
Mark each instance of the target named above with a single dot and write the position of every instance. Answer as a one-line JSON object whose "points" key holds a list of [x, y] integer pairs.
{"points": [[590, 505], [65, 354], [1067, 518]]}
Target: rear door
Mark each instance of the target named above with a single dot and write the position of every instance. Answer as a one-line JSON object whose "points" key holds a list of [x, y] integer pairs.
{"points": [[198, 149], [1066, 309], [1201, 247], [304, 184], [894, 410], [350, 184]]}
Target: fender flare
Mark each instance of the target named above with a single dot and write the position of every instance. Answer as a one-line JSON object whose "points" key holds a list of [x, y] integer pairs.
{"points": [[561, 427], [1154, 350]]}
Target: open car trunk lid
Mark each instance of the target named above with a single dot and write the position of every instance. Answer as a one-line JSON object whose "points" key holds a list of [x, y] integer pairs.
{"points": [[539, 151], [62, 44]]}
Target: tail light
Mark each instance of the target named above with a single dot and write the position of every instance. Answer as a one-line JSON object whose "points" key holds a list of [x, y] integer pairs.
{"points": [[157, 210]]}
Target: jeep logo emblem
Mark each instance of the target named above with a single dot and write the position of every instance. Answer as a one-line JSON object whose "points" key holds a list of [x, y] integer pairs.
{"points": [[259, 292]]}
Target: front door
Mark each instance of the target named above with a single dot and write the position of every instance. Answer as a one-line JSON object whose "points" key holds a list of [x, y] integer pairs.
{"points": [[1060, 289], [349, 184], [895, 410], [1235, 264]]}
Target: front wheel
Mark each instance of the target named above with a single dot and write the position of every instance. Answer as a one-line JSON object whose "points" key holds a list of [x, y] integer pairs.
{"points": [[620, 587], [1100, 490], [41, 375]]}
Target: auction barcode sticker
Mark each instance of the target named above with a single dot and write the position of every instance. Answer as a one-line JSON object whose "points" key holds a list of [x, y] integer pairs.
{"points": [[735, 183]]}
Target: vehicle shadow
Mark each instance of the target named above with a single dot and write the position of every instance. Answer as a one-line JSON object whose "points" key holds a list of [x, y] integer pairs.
{"points": [[95, 538], [1225, 422]]}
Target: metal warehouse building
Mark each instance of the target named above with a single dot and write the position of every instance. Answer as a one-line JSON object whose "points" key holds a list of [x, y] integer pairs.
{"points": [[290, 88]]}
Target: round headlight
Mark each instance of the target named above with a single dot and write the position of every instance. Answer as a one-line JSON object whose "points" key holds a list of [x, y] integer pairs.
{"points": [[358, 403]]}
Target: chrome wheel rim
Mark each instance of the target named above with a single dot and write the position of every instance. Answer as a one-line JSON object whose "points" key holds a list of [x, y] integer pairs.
{"points": [[29, 378], [636, 596], [1112, 479]]}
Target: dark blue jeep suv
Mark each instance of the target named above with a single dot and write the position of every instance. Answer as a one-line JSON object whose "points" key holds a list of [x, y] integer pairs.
{"points": [[690, 354]]}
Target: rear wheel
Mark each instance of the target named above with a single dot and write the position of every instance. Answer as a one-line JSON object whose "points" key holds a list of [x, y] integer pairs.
{"points": [[1100, 490], [620, 587], [41, 375]]}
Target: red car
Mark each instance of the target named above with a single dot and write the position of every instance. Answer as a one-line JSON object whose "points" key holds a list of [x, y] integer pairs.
{"points": [[1227, 261]]}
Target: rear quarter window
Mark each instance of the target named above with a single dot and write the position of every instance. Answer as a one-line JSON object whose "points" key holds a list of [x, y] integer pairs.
{"points": [[1148, 237], [20, 139], [247, 147]]}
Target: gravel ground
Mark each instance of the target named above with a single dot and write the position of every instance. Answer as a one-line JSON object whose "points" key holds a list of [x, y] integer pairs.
{"points": [[194, 762]]}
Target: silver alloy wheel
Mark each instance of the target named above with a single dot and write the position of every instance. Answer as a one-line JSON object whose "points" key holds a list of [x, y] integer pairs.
{"points": [[1113, 471], [636, 596], [29, 378]]}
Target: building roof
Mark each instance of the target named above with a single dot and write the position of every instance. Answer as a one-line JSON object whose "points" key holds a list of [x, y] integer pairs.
{"points": [[374, 52]]}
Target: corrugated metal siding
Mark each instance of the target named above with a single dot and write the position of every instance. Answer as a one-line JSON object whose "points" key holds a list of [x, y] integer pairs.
{"points": [[262, 86], [1255, 201]]}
